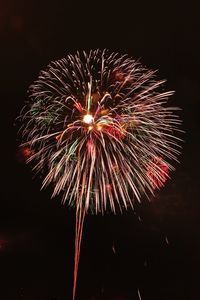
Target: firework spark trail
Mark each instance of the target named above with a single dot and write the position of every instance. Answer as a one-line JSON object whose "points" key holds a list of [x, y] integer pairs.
{"points": [[139, 295], [80, 216], [100, 130]]}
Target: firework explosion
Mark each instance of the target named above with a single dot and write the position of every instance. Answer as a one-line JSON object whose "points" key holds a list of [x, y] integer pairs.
{"points": [[99, 129]]}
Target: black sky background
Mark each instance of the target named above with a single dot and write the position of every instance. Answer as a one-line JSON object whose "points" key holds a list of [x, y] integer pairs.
{"points": [[159, 255]]}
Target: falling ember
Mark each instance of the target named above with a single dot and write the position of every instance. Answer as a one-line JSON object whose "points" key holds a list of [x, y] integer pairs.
{"points": [[166, 240], [24, 153], [113, 248], [139, 295], [99, 128]]}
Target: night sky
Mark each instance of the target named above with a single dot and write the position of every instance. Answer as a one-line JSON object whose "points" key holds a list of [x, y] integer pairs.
{"points": [[154, 257]]}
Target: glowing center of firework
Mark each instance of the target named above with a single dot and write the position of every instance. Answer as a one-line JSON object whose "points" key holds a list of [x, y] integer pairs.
{"points": [[88, 119]]}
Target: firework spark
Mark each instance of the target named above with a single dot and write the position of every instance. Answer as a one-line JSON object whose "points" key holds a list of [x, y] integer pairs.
{"points": [[100, 129]]}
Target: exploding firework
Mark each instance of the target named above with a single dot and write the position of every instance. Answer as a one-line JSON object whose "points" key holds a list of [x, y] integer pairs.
{"points": [[99, 128]]}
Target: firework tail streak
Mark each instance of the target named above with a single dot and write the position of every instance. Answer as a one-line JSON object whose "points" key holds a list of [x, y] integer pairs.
{"points": [[98, 125]]}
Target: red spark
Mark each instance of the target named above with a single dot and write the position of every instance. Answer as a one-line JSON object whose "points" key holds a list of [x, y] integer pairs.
{"points": [[78, 106], [157, 172], [24, 153], [115, 132]]}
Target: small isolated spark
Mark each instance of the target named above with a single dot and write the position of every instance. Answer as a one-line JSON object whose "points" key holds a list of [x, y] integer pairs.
{"points": [[139, 295], [113, 248], [99, 128], [166, 240]]}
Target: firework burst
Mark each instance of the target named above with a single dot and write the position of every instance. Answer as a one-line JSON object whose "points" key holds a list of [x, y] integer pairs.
{"points": [[98, 126]]}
